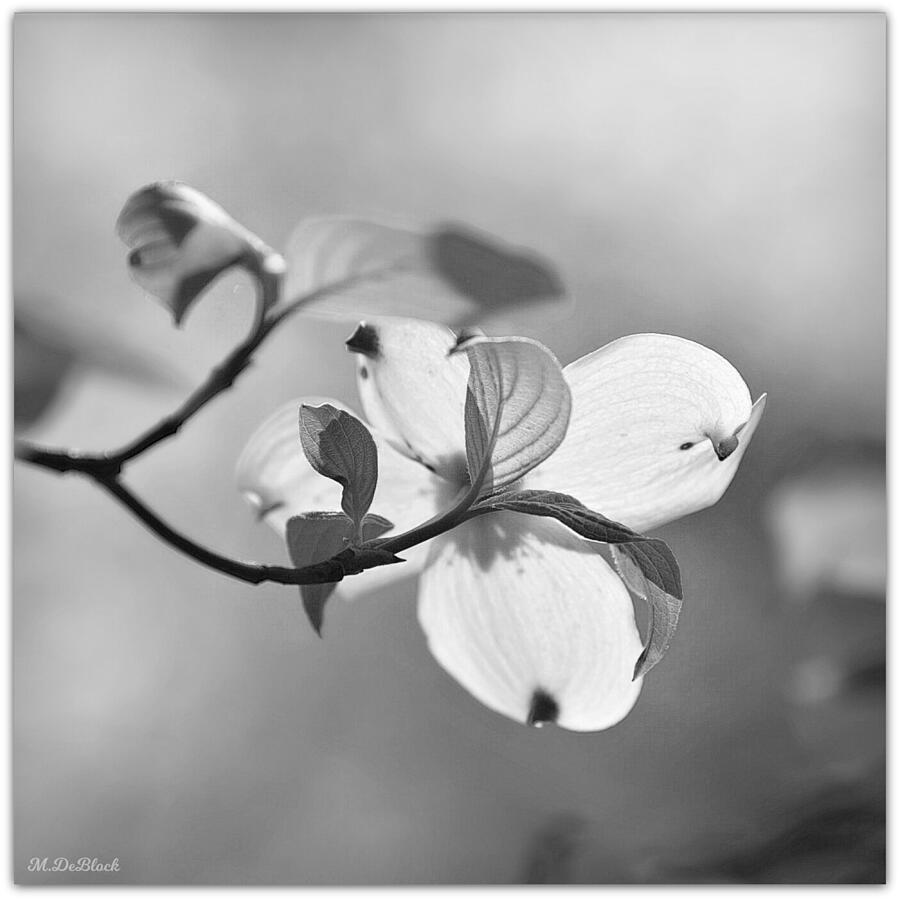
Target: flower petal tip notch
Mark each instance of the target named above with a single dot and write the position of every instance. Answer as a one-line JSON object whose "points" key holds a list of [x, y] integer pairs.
{"points": [[463, 338], [543, 710], [364, 341], [725, 447]]}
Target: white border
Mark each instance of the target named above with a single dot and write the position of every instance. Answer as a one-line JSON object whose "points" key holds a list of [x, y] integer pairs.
{"points": [[363, 6]]}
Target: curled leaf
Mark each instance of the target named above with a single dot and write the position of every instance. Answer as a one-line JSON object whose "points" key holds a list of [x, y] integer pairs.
{"points": [[340, 447], [517, 408], [181, 241], [449, 273], [650, 576]]}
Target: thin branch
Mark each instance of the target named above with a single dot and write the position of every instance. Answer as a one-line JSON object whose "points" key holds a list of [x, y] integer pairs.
{"points": [[220, 379], [330, 570], [437, 525], [106, 468], [99, 465]]}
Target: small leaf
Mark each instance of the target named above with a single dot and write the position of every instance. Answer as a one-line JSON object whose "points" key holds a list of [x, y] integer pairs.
{"points": [[340, 447], [517, 408], [450, 274], [181, 241], [647, 565], [312, 538], [317, 536]]}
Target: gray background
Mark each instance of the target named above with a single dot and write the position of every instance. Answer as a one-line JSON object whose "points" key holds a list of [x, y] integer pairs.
{"points": [[717, 177]]}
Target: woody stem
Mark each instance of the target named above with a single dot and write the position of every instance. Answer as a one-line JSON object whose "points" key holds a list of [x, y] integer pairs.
{"points": [[106, 469]]}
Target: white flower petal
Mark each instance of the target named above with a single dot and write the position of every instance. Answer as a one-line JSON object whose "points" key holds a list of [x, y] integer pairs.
{"points": [[276, 479], [532, 621], [413, 392], [659, 425], [181, 241]]}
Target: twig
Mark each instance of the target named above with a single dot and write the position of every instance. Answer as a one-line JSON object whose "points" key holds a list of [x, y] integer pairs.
{"points": [[220, 379], [106, 468], [330, 570]]}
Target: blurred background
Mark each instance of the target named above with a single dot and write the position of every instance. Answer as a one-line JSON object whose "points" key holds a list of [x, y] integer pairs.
{"points": [[720, 177]]}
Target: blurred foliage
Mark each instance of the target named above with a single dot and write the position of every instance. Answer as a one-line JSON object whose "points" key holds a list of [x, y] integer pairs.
{"points": [[446, 273], [828, 521], [41, 367], [552, 850], [836, 837], [53, 343]]}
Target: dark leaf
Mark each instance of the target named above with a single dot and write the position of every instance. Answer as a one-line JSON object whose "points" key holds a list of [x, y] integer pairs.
{"points": [[638, 567], [647, 566], [317, 536], [477, 266], [449, 274], [340, 447]]}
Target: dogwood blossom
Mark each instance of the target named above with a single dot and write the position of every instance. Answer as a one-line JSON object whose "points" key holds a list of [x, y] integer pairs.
{"points": [[181, 241], [529, 617]]}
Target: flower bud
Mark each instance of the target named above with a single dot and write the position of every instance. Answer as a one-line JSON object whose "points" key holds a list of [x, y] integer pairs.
{"points": [[181, 241]]}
